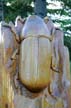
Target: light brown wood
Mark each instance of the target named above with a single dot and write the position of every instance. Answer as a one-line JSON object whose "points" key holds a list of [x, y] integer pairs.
{"points": [[6, 50], [35, 55], [34, 68]]}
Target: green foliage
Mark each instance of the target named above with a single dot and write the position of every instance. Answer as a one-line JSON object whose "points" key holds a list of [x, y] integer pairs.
{"points": [[67, 42], [23, 8], [16, 8], [25, 1], [67, 3]]}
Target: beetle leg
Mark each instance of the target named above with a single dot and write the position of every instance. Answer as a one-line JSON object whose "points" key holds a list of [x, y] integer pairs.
{"points": [[15, 78], [13, 29], [53, 69], [50, 93], [16, 83], [50, 98], [13, 57]]}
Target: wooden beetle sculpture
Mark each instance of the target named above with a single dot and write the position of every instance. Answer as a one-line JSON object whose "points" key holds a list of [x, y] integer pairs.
{"points": [[29, 52]]}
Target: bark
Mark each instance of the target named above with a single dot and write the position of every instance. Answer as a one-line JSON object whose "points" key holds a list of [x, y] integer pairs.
{"points": [[40, 8]]}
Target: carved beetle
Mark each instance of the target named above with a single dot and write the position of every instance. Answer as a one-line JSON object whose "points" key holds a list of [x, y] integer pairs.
{"points": [[35, 54], [30, 40], [33, 48]]}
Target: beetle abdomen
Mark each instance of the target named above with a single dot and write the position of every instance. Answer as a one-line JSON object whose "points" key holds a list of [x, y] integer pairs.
{"points": [[35, 57]]}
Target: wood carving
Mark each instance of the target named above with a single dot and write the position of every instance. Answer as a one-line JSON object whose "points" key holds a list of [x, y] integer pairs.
{"points": [[32, 48]]}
